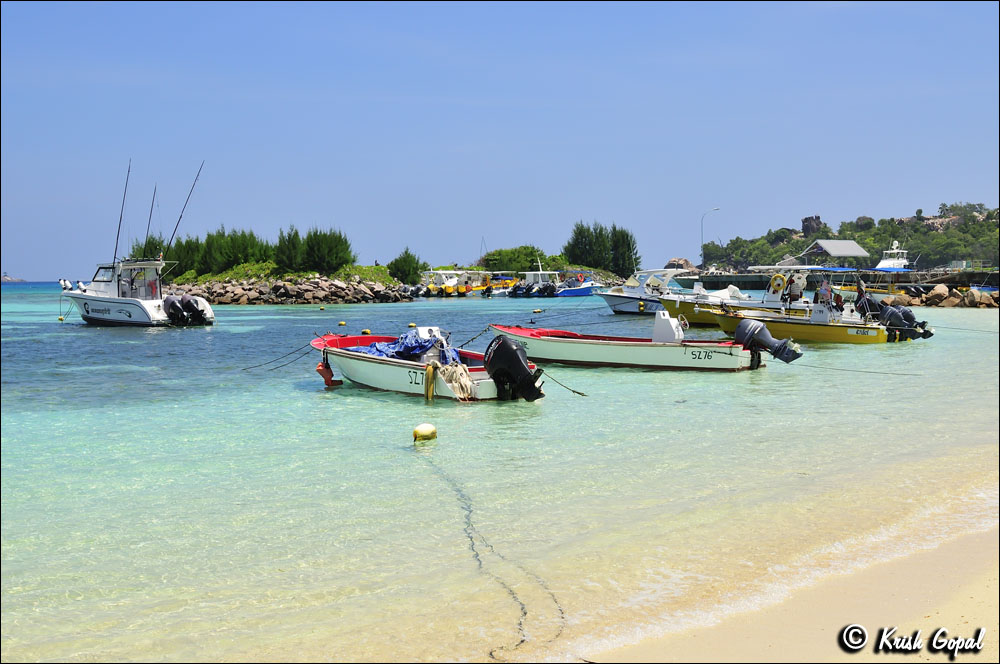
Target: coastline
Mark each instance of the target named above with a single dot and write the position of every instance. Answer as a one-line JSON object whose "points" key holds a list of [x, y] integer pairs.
{"points": [[954, 586]]}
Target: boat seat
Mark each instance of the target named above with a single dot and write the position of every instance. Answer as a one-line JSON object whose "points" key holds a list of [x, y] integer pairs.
{"points": [[666, 329]]}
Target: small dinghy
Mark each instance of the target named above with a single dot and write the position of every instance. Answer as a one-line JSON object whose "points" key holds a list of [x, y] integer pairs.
{"points": [[667, 349], [422, 363]]}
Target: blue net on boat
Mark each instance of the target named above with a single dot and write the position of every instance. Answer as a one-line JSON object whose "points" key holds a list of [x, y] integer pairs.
{"points": [[409, 346]]}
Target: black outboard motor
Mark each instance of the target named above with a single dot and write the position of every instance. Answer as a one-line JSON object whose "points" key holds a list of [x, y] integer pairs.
{"points": [[507, 364], [868, 305], [900, 324], [753, 335], [175, 310], [190, 305]]}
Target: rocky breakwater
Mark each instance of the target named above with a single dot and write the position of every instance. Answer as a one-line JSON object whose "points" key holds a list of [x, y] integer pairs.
{"points": [[319, 290], [942, 296]]}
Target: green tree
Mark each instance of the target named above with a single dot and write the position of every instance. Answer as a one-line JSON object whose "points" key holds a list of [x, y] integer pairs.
{"points": [[288, 251], [625, 258], [406, 267], [326, 251]]}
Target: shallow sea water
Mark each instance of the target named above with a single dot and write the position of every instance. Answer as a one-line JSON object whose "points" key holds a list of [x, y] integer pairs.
{"points": [[161, 503]]}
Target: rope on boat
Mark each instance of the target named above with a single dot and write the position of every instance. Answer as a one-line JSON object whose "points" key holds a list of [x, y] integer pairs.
{"points": [[964, 329], [290, 361]]}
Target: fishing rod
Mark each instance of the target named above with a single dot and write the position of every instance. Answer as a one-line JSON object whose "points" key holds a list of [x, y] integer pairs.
{"points": [[122, 213], [183, 208], [149, 220]]}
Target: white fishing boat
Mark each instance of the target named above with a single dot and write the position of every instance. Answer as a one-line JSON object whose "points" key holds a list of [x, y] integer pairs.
{"points": [[666, 349], [422, 363], [130, 292], [641, 292]]}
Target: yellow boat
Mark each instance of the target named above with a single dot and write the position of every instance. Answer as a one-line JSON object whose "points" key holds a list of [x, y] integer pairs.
{"points": [[826, 323], [700, 306]]}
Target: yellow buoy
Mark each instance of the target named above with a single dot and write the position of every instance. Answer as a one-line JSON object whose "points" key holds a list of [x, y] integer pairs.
{"points": [[60, 318], [341, 323], [425, 431], [642, 306], [366, 331], [537, 311], [412, 325], [322, 308]]}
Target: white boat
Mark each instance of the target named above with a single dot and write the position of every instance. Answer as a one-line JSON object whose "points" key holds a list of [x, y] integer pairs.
{"points": [[894, 257], [422, 363], [640, 293], [130, 292], [667, 349]]}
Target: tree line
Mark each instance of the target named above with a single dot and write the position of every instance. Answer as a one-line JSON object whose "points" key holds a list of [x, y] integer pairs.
{"points": [[963, 231], [324, 251]]}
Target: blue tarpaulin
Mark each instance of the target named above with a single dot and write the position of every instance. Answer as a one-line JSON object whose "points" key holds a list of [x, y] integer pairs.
{"points": [[410, 346]]}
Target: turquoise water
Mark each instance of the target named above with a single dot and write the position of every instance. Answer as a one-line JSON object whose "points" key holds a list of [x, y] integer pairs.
{"points": [[161, 503]]}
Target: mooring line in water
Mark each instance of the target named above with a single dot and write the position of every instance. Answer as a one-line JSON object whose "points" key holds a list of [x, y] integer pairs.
{"points": [[281, 357], [549, 375], [964, 329], [881, 373], [291, 361], [472, 533]]}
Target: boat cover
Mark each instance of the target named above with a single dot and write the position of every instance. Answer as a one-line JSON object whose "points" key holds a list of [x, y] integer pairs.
{"points": [[409, 346]]}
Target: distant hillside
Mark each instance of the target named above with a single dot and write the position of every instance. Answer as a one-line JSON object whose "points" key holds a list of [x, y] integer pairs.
{"points": [[8, 280], [961, 231]]}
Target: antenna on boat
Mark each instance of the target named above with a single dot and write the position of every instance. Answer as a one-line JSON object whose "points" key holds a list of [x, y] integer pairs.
{"points": [[149, 220], [183, 208], [122, 213]]}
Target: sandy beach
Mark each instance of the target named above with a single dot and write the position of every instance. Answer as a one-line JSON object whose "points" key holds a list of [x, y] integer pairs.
{"points": [[954, 586]]}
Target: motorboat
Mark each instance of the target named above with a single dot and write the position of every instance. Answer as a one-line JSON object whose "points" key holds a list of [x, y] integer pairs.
{"points": [[894, 257], [666, 349], [498, 285], [579, 284], [640, 293], [538, 283], [783, 294], [422, 363], [130, 292], [866, 321], [444, 283]]}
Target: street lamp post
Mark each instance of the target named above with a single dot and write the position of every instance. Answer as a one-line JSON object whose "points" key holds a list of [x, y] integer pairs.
{"points": [[703, 236]]}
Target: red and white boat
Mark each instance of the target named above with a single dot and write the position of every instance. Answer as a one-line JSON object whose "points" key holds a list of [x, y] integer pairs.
{"points": [[422, 363], [667, 349]]}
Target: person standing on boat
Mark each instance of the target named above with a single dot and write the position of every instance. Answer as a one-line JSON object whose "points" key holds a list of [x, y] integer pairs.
{"points": [[794, 289]]}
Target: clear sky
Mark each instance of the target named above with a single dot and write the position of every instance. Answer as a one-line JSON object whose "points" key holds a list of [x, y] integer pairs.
{"points": [[443, 126]]}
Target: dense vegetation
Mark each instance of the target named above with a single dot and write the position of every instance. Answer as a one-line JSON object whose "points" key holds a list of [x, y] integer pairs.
{"points": [[320, 251], [613, 249], [961, 231], [406, 267]]}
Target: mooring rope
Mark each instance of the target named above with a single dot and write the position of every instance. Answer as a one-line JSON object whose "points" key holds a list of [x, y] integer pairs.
{"points": [[565, 386], [881, 373], [472, 534]]}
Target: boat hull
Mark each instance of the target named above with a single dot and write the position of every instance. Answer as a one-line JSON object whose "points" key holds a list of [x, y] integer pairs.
{"points": [[803, 330], [592, 350], [111, 311], [631, 304], [404, 376]]}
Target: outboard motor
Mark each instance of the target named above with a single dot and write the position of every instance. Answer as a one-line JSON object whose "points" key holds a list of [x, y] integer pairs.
{"points": [[175, 310], [194, 312], [753, 335], [900, 324], [507, 364], [868, 305]]}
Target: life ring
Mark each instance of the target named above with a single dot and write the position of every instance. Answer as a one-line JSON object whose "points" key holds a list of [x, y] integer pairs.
{"points": [[777, 283], [579, 277]]}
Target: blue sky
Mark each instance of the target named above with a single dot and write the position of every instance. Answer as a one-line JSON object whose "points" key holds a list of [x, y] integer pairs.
{"points": [[440, 126]]}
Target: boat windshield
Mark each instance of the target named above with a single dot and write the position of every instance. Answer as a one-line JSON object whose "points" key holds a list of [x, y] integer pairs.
{"points": [[103, 274]]}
